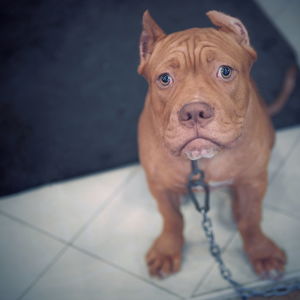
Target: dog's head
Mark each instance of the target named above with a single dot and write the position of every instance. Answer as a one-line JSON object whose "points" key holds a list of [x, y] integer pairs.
{"points": [[198, 84]]}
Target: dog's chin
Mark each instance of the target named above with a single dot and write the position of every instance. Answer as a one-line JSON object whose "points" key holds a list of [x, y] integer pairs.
{"points": [[200, 148]]}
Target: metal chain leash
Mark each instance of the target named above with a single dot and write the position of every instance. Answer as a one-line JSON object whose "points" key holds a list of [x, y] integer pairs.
{"points": [[196, 179]]}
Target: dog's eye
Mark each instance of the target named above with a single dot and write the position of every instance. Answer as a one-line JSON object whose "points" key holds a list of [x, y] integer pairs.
{"points": [[165, 79], [225, 72]]}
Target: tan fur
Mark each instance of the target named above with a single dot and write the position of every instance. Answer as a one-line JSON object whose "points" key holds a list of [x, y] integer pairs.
{"points": [[240, 134]]}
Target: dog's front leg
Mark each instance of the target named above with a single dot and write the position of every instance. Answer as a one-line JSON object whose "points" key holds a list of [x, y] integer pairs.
{"points": [[164, 256], [267, 258]]}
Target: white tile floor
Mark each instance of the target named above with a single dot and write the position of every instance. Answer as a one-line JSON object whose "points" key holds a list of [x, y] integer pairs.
{"points": [[86, 238]]}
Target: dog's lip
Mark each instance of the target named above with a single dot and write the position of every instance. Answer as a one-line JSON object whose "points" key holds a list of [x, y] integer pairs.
{"points": [[213, 141]]}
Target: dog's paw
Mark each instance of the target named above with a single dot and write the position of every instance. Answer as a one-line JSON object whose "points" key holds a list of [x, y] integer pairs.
{"points": [[267, 259], [164, 257]]}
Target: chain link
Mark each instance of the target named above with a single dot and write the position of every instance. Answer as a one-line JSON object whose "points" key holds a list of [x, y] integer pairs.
{"points": [[197, 178]]}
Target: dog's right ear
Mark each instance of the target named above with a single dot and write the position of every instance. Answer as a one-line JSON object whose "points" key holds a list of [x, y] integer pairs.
{"points": [[150, 35]]}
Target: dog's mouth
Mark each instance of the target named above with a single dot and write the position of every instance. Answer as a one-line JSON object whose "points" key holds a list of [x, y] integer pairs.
{"points": [[204, 147], [200, 147]]}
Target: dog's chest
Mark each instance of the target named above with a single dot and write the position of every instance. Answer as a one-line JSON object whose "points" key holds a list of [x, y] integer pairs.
{"points": [[216, 184], [177, 179]]}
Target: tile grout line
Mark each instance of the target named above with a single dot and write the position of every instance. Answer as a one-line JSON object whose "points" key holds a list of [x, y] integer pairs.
{"points": [[102, 207], [128, 272], [284, 161], [65, 246], [283, 212], [43, 272], [33, 227], [95, 256], [276, 173], [65, 243], [255, 283], [48, 233], [213, 265], [211, 268]]}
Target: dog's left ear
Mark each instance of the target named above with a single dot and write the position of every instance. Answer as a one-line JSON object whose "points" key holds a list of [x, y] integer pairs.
{"points": [[233, 26]]}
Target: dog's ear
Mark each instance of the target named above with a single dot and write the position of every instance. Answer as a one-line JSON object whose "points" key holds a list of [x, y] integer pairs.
{"points": [[233, 26], [150, 35]]}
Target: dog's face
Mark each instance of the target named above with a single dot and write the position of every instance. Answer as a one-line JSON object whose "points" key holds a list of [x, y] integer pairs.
{"points": [[198, 84]]}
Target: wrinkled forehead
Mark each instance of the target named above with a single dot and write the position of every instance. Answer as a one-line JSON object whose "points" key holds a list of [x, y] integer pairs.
{"points": [[194, 48]]}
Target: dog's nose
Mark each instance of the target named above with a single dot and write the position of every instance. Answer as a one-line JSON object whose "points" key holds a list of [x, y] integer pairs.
{"points": [[196, 113]]}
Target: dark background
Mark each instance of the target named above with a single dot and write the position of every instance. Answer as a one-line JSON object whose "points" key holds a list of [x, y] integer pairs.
{"points": [[69, 92]]}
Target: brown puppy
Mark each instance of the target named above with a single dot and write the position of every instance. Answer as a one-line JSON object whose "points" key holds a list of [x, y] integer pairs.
{"points": [[202, 104]]}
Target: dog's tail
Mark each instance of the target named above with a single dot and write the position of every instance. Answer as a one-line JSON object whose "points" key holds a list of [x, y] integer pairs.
{"points": [[286, 90]]}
